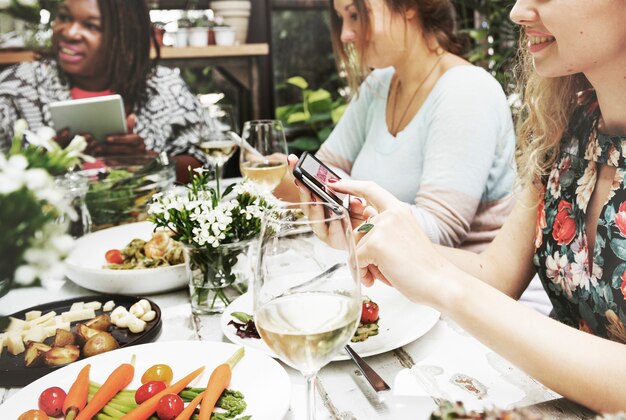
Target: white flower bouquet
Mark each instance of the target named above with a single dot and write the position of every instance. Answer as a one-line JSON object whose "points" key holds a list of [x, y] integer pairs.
{"points": [[215, 230], [33, 242]]}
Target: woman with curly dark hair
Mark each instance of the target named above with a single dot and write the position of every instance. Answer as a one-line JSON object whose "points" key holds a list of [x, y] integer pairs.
{"points": [[101, 47]]}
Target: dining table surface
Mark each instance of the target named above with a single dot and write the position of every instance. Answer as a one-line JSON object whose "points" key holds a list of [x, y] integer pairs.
{"points": [[421, 374]]}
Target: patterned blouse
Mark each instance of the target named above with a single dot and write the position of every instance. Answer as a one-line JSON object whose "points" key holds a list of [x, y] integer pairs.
{"points": [[168, 121], [590, 297]]}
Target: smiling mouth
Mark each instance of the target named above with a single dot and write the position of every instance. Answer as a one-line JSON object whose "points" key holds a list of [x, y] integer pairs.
{"points": [[536, 40], [67, 51]]}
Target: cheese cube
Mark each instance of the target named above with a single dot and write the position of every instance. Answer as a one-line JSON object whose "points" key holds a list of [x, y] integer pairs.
{"points": [[108, 306], [79, 315], [32, 315], [15, 345], [76, 306], [95, 305], [17, 325], [36, 333], [42, 319]]}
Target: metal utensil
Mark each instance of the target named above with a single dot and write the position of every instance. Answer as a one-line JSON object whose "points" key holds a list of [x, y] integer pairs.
{"points": [[315, 279], [370, 374]]}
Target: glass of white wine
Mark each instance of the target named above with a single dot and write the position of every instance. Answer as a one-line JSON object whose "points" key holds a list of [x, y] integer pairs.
{"points": [[267, 167], [216, 142], [307, 297]]}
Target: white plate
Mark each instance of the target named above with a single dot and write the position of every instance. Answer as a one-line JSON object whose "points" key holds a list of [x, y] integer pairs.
{"points": [[251, 375], [84, 266], [400, 322]]}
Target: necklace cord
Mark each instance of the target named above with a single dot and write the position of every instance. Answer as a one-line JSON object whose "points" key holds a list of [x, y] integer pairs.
{"points": [[395, 126]]}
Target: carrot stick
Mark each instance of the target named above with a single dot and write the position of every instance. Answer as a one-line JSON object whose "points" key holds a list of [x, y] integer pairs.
{"points": [[188, 411], [117, 380], [146, 408], [77, 396], [219, 380]]}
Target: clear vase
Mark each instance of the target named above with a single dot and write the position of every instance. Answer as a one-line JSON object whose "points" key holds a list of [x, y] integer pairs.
{"points": [[75, 186], [217, 276]]}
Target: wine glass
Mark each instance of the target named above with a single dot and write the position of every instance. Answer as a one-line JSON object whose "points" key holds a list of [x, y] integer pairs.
{"points": [[307, 299], [216, 142], [267, 167]]}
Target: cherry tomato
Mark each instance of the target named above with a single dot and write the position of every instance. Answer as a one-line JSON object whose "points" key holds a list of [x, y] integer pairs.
{"points": [[51, 401], [149, 389], [33, 415], [161, 373], [369, 313], [114, 256], [169, 407]]}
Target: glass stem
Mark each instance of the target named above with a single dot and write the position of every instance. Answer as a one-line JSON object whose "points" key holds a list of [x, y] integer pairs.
{"points": [[310, 395]]}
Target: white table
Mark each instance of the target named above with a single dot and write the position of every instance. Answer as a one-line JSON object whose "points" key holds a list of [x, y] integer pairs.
{"points": [[419, 373]]}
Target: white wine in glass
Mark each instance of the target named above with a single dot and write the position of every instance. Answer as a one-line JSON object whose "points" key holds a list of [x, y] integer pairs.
{"points": [[215, 140], [307, 298], [218, 151], [267, 167]]}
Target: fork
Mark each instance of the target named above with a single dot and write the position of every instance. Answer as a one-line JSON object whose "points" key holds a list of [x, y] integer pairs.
{"points": [[370, 374]]}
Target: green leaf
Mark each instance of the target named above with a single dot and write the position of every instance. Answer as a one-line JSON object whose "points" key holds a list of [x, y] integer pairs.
{"points": [[619, 248], [318, 101], [229, 189], [323, 134], [337, 113], [298, 81], [297, 117], [307, 143], [242, 316]]}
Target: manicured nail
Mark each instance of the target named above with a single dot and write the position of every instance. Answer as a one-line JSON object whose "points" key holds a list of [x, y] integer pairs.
{"points": [[365, 227], [332, 180]]}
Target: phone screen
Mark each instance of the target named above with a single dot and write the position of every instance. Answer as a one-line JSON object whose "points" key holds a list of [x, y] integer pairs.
{"points": [[319, 174]]}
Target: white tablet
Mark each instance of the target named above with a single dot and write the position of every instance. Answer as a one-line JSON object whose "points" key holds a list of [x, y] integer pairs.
{"points": [[98, 116]]}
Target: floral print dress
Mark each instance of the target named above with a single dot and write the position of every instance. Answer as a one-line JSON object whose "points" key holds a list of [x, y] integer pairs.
{"points": [[590, 296]]}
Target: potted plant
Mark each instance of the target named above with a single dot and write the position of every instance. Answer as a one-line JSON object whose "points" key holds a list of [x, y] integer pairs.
{"points": [[236, 14], [199, 32], [182, 33], [223, 34]]}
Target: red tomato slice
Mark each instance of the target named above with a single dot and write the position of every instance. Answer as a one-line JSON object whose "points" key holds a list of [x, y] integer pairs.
{"points": [[369, 313], [114, 256]]}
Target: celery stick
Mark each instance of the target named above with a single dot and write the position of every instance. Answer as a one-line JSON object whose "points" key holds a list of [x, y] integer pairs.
{"points": [[108, 410]]}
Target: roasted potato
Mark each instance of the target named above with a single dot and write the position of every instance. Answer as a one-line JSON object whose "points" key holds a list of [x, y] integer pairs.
{"points": [[62, 338], [57, 356], [100, 343], [84, 333], [100, 323], [35, 352]]}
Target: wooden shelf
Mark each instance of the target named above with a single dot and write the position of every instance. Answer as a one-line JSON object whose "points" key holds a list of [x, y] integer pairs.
{"points": [[12, 57], [210, 51], [216, 51]]}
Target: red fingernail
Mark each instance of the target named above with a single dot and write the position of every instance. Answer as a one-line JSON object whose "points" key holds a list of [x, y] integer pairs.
{"points": [[332, 180]]}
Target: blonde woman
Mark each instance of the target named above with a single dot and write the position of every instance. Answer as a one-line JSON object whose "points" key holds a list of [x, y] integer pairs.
{"points": [[569, 224]]}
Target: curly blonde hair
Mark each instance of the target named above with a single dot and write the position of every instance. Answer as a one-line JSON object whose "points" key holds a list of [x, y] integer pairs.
{"points": [[548, 104]]}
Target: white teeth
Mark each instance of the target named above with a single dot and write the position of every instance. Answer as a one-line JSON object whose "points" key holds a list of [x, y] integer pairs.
{"points": [[68, 51], [540, 39]]}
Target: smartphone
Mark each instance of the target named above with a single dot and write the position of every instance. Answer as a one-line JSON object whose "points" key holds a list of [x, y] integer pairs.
{"points": [[314, 174], [99, 116]]}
